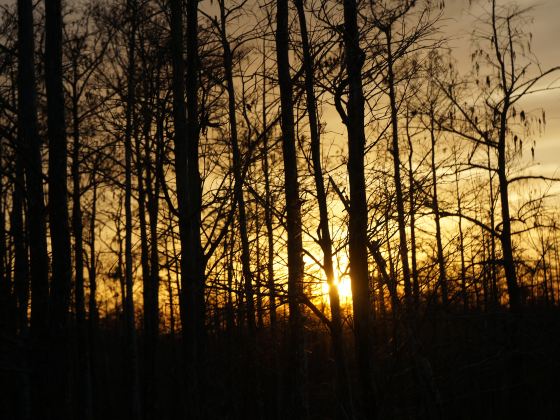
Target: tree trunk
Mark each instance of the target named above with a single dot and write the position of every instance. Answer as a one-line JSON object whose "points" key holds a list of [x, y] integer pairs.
{"points": [[358, 224], [342, 379], [493, 275], [461, 245], [297, 406], [148, 387], [151, 295], [39, 263], [84, 395], [131, 355], [93, 316], [21, 255], [58, 211], [412, 204], [268, 221], [403, 245], [7, 299], [435, 205], [189, 198], [505, 236], [237, 173]]}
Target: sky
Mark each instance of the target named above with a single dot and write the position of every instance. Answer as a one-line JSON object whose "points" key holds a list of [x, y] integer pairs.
{"points": [[460, 17], [546, 39]]}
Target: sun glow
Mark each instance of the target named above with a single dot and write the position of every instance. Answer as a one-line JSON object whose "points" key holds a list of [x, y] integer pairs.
{"points": [[343, 286]]}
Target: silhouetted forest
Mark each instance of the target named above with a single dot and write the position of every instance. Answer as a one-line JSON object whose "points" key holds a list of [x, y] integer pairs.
{"points": [[242, 209]]}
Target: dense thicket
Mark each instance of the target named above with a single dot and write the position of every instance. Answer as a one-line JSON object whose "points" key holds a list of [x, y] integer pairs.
{"points": [[289, 209]]}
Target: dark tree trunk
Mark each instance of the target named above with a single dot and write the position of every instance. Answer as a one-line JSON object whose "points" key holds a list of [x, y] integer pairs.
{"points": [[258, 279], [196, 261], [358, 225], [58, 212], [84, 392], [7, 299], [21, 255], [21, 284], [151, 278], [153, 297], [131, 354], [297, 404], [238, 176], [189, 199], [442, 282], [93, 316], [268, 221], [505, 235], [464, 291], [342, 379], [412, 204], [399, 197], [39, 264], [252, 391], [492, 274], [148, 387]]}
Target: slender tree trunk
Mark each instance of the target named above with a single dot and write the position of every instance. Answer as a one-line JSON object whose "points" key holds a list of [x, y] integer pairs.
{"points": [[92, 302], [39, 264], [21, 255], [544, 271], [358, 225], [237, 173], [549, 251], [435, 205], [151, 292], [403, 245], [411, 198], [189, 198], [180, 126], [258, 279], [84, 395], [342, 379], [505, 235], [297, 406], [485, 274], [58, 212], [392, 270], [7, 302], [170, 293], [474, 278], [461, 246], [131, 355], [268, 220], [148, 387], [493, 274], [557, 262], [21, 283], [120, 265], [196, 273]]}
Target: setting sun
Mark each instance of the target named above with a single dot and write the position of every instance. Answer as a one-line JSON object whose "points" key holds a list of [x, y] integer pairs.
{"points": [[344, 287]]}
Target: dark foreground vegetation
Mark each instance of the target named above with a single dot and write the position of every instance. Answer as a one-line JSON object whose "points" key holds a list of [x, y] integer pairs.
{"points": [[274, 209], [478, 370]]}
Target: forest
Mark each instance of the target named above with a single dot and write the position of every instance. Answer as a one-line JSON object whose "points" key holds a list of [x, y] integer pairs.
{"points": [[276, 209]]}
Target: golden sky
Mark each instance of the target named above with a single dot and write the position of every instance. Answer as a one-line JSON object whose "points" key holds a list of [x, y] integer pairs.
{"points": [[546, 46]]}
